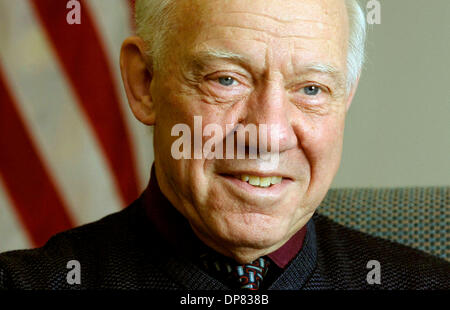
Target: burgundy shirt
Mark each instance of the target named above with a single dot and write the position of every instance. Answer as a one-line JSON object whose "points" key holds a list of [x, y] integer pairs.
{"points": [[175, 229]]}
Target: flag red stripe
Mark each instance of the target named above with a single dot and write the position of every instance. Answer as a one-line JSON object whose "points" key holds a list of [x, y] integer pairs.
{"points": [[33, 192], [84, 61]]}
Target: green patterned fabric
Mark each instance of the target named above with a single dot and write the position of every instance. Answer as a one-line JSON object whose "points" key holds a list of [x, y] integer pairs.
{"points": [[418, 217]]}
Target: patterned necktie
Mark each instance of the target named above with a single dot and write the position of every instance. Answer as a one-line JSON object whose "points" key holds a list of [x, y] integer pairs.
{"points": [[245, 276]]}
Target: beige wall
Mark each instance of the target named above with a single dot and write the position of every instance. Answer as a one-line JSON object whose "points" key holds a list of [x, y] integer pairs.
{"points": [[398, 128]]}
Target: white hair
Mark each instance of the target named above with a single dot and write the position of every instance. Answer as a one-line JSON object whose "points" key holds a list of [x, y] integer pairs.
{"points": [[153, 24], [357, 41]]}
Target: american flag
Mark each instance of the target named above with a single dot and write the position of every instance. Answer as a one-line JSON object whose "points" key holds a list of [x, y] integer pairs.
{"points": [[70, 150]]}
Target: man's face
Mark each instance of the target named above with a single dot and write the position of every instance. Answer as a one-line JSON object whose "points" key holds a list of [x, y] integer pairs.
{"points": [[279, 62]]}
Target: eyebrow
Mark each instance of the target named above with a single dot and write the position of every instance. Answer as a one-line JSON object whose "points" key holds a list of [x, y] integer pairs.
{"points": [[327, 69], [203, 56], [321, 68]]}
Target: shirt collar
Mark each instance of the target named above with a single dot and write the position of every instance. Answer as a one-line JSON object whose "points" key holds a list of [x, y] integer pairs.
{"points": [[176, 231]]}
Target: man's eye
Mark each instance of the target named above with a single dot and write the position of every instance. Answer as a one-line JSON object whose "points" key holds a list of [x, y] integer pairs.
{"points": [[226, 81], [311, 90]]}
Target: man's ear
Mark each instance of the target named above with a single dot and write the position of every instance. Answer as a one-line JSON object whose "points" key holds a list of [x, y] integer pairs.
{"points": [[352, 93], [137, 78]]}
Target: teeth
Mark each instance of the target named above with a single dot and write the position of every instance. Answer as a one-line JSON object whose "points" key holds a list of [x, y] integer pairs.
{"points": [[276, 180], [260, 182], [244, 178], [265, 182], [254, 180]]}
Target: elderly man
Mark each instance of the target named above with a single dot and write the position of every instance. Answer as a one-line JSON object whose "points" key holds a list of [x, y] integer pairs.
{"points": [[212, 219]]}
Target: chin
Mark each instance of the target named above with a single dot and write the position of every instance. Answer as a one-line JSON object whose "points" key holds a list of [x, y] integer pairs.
{"points": [[246, 248], [254, 234]]}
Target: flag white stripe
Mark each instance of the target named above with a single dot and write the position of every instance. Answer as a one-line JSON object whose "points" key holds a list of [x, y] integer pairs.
{"points": [[12, 235], [58, 127], [113, 23]]}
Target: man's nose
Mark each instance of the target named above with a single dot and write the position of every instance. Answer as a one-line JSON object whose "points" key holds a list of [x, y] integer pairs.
{"points": [[269, 110]]}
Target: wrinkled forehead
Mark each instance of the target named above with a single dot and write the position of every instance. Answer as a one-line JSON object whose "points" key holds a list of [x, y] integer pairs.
{"points": [[311, 26], [326, 11]]}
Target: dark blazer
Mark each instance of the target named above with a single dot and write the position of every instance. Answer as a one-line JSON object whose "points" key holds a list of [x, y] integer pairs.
{"points": [[124, 251]]}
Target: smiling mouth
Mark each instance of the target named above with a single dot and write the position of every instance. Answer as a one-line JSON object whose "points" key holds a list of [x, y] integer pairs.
{"points": [[260, 181], [257, 181], [254, 187]]}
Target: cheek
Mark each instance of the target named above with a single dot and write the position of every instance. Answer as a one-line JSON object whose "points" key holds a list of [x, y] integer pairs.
{"points": [[331, 138], [177, 107], [323, 147]]}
